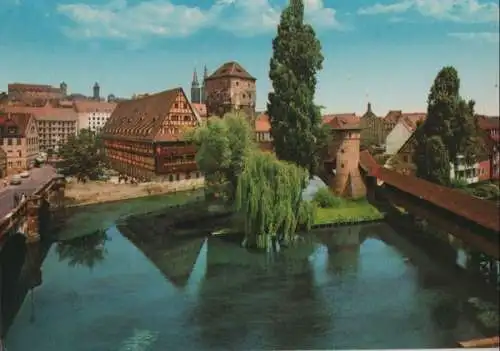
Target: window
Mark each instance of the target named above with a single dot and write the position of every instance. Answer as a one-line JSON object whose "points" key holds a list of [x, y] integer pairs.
{"points": [[342, 151], [177, 177], [341, 165], [9, 141], [176, 105]]}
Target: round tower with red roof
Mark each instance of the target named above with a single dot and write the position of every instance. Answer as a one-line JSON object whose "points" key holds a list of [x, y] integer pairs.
{"points": [[344, 154]]}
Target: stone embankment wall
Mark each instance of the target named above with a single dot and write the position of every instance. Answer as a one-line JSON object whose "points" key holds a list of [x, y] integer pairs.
{"points": [[78, 194]]}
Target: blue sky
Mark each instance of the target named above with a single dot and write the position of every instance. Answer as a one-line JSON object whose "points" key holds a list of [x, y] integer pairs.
{"points": [[384, 51]]}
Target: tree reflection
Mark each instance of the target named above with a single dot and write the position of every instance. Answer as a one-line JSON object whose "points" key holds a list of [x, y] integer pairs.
{"points": [[84, 251]]}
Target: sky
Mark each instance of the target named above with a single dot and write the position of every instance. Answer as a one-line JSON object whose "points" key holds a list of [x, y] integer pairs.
{"points": [[386, 52]]}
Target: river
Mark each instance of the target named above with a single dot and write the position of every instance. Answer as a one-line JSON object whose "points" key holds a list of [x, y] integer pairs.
{"points": [[352, 288]]}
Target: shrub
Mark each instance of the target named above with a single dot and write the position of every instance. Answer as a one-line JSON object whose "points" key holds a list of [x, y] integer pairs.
{"points": [[325, 199]]}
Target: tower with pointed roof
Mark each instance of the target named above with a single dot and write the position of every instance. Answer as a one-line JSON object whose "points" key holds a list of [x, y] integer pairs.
{"points": [[230, 88], [195, 89], [205, 76]]}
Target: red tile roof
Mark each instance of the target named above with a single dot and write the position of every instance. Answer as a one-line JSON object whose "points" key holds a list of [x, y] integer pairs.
{"points": [[201, 109], [262, 123], [46, 113], [458, 202], [344, 121], [231, 69], [411, 120], [141, 119], [367, 162], [19, 120], [90, 106]]}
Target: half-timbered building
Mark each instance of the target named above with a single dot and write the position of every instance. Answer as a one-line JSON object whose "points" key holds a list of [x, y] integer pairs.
{"points": [[144, 138]]}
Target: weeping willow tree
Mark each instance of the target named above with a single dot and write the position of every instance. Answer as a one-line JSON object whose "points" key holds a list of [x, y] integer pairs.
{"points": [[269, 198]]}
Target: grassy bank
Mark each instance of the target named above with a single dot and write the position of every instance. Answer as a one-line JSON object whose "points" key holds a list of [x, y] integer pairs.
{"points": [[337, 211]]}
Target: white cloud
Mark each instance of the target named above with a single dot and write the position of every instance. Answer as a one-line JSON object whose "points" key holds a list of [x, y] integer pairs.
{"points": [[121, 20], [473, 11], [491, 37]]}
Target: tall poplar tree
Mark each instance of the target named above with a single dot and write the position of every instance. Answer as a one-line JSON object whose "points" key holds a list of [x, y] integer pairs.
{"points": [[448, 131], [295, 119]]}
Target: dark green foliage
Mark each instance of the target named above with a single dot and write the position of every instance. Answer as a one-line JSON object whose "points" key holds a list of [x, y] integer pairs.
{"points": [[83, 156], [324, 198], [223, 144], [448, 131], [83, 251], [295, 119]]}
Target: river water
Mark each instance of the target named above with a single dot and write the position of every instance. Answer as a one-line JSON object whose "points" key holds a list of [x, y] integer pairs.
{"points": [[353, 287]]}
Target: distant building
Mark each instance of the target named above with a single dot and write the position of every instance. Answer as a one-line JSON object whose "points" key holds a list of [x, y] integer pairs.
{"points": [[230, 88], [263, 132], [96, 92], [54, 124], [22, 91], [19, 140], [144, 138], [405, 127], [372, 128], [93, 115]]}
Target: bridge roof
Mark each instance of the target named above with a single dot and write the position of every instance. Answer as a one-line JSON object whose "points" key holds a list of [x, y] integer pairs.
{"points": [[472, 208]]}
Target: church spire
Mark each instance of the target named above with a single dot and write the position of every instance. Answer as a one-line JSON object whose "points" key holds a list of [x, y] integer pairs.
{"points": [[205, 73], [195, 78]]}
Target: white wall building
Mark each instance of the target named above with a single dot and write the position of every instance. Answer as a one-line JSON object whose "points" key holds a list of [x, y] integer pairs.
{"points": [[402, 131], [464, 172], [93, 115]]}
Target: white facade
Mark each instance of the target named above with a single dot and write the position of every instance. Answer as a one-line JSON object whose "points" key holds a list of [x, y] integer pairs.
{"points": [[462, 171], [397, 137], [93, 115]]}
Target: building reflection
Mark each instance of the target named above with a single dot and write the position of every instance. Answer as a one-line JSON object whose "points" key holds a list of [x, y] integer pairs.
{"points": [[20, 273], [343, 247]]}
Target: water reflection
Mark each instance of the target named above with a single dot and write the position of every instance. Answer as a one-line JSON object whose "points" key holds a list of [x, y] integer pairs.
{"points": [[85, 251], [262, 290], [343, 247]]}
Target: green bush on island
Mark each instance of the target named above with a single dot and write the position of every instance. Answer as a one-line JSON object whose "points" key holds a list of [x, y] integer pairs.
{"points": [[324, 198]]}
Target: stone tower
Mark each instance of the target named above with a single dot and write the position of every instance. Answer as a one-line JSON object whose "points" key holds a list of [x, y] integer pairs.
{"points": [[344, 150], [230, 88], [195, 89], [97, 91], [64, 89]]}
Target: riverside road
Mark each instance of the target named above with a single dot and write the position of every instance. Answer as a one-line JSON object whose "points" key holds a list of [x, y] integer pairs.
{"points": [[38, 176]]}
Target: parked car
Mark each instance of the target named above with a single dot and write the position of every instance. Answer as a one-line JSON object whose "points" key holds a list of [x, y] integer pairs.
{"points": [[15, 180], [25, 174]]}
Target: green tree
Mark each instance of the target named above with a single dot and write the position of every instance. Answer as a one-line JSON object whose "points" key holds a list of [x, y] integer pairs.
{"points": [[448, 131], [269, 199], [223, 145], [83, 156], [295, 119]]}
